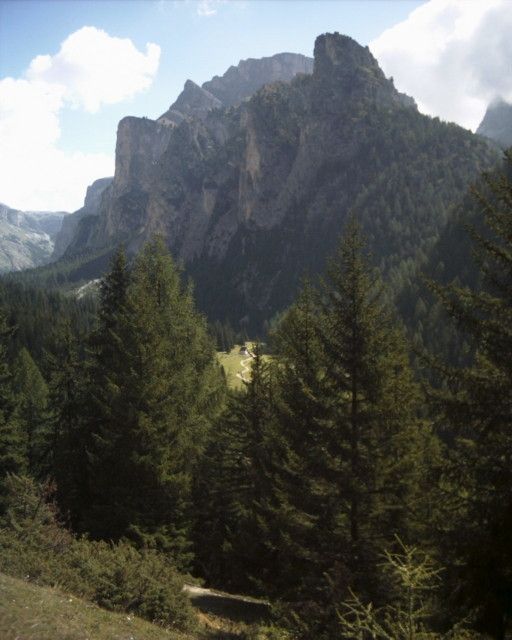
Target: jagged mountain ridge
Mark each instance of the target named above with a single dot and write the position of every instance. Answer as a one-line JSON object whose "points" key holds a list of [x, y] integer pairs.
{"points": [[141, 141], [236, 85], [497, 123], [251, 196], [27, 237]]}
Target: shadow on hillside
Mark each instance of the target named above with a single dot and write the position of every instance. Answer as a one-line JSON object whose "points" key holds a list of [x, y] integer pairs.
{"points": [[232, 607]]}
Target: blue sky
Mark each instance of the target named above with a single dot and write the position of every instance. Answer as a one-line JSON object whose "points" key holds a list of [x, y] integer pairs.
{"points": [[192, 45], [55, 91]]}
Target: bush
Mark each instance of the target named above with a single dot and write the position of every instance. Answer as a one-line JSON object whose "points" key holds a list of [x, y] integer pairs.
{"points": [[268, 633], [35, 546]]}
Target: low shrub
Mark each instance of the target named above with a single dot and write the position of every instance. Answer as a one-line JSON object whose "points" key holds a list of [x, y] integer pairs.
{"points": [[35, 546]]}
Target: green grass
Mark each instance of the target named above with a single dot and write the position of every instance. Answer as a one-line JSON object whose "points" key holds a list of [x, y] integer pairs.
{"points": [[232, 365], [29, 612]]}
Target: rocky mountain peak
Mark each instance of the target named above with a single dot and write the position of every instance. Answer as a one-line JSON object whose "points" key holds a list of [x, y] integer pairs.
{"points": [[193, 102], [344, 68], [243, 80], [497, 123], [236, 85], [94, 193], [337, 54]]}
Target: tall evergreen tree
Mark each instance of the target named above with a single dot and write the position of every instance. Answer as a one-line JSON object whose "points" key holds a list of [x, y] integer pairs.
{"points": [[234, 485], [476, 422], [302, 411], [32, 395], [156, 364], [66, 455], [349, 437], [13, 441]]}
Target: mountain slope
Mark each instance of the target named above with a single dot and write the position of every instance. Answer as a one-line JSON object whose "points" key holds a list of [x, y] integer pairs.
{"points": [[253, 196], [26, 237]]}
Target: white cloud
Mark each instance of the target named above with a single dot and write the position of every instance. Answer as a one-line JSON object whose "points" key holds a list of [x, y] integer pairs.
{"points": [[206, 8], [452, 56], [96, 68], [91, 69]]}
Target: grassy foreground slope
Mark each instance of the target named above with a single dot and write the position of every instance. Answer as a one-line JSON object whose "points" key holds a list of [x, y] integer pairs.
{"points": [[32, 612], [29, 612]]}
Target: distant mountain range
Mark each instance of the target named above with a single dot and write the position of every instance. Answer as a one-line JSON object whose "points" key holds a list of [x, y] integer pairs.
{"points": [[27, 237]]}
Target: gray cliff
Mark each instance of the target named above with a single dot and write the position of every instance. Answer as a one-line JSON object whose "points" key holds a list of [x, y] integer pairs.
{"points": [[497, 123], [71, 222], [251, 195]]}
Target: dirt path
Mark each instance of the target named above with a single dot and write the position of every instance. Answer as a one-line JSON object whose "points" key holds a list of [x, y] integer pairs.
{"points": [[226, 605], [245, 368]]}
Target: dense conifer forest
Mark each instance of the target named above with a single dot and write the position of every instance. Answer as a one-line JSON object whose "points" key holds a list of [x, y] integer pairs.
{"points": [[360, 480]]}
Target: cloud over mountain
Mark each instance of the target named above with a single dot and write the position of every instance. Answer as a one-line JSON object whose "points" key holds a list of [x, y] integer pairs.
{"points": [[91, 69], [453, 57], [95, 68]]}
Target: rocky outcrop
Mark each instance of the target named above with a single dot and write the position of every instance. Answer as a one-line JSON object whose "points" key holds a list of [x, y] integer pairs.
{"points": [[243, 80], [252, 195], [236, 85], [26, 237], [497, 123], [68, 229], [193, 102], [348, 71]]}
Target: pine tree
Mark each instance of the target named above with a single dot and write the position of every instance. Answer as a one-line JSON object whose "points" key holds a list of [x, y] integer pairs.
{"points": [[32, 396], [349, 437], [233, 486], [108, 367], [67, 454], [301, 413], [475, 420], [13, 441], [162, 383]]}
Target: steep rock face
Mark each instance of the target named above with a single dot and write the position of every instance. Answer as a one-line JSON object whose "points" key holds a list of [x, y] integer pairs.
{"points": [[26, 237], [68, 229], [236, 85], [345, 71], [251, 197], [497, 123], [140, 145], [193, 102], [241, 81]]}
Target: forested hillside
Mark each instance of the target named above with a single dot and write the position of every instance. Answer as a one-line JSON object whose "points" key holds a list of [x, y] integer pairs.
{"points": [[343, 468], [338, 483]]}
